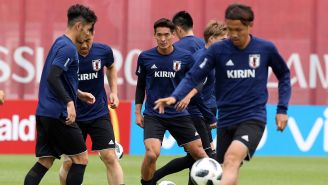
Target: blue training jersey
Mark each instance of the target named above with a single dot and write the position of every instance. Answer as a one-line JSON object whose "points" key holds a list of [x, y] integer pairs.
{"points": [[63, 54], [190, 43], [208, 91], [91, 79], [241, 79], [162, 74]]}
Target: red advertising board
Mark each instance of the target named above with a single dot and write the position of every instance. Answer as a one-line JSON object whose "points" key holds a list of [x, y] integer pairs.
{"points": [[18, 132]]}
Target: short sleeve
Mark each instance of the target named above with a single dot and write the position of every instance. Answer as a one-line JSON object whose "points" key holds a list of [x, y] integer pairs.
{"points": [[65, 56]]}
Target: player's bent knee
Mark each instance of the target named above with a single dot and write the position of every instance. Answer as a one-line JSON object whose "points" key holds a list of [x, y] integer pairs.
{"points": [[108, 157], [80, 158], [46, 161], [152, 156]]}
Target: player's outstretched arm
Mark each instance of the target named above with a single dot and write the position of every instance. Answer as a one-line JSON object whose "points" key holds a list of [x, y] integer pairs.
{"points": [[2, 97], [112, 81], [86, 97], [183, 104], [161, 103], [281, 121]]}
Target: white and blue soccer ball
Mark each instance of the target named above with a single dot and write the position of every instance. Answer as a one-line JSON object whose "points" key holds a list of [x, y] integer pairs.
{"points": [[206, 171], [119, 150], [167, 183]]}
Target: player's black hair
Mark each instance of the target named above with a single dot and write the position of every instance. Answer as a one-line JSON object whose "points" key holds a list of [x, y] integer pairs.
{"points": [[163, 22], [82, 13], [240, 12], [183, 19]]}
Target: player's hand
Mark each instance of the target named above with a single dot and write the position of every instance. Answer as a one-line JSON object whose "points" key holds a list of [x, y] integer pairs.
{"points": [[281, 121], [161, 103], [113, 100], [140, 120], [2, 97], [86, 97], [183, 104], [71, 113]]}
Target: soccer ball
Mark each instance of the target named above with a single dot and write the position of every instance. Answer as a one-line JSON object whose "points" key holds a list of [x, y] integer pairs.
{"points": [[206, 171], [118, 150], [166, 183]]}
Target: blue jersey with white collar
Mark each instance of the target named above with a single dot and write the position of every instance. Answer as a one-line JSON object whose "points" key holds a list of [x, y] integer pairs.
{"points": [[91, 79], [241, 79]]}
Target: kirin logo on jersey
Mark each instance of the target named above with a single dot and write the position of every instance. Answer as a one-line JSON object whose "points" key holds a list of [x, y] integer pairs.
{"points": [[96, 64], [254, 61], [176, 65]]}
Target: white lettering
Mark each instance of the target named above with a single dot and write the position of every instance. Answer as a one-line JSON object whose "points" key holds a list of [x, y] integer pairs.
{"points": [[246, 73], [128, 66], [4, 67], [25, 64], [315, 68], [88, 76], [16, 129], [164, 74]]}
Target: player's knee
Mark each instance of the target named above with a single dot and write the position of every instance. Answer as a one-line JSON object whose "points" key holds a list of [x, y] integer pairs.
{"points": [[80, 159], [152, 156], [109, 158], [46, 161], [231, 161], [67, 164]]}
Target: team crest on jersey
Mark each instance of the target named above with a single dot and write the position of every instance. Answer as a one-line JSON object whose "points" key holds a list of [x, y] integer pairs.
{"points": [[176, 65], [254, 61], [96, 64]]}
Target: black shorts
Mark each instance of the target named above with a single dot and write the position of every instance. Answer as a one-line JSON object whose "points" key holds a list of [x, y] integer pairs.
{"points": [[202, 130], [100, 131], [181, 128], [55, 138], [248, 132]]}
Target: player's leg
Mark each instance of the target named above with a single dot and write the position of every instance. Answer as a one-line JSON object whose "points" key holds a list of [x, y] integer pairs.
{"points": [[67, 161], [114, 169], [39, 169], [103, 141], [153, 135], [245, 140], [173, 166], [184, 132], [44, 151], [63, 171], [69, 140]]}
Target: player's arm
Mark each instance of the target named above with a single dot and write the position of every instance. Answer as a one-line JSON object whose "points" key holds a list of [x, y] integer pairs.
{"points": [[57, 86], [281, 71], [183, 104], [86, 97], [2, 97], [194, 77], [112, 81], [140, 91], [139, 99]]}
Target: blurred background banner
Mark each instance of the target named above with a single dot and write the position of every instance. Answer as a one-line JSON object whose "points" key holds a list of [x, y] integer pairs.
{"points": [[305, 135], [297, 27], [29, 27]]}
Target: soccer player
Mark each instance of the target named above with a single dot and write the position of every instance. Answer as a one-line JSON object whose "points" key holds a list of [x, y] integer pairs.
{"points": [[241, 68], [57, 131], [2, 97], [159, 71], [184, 30], [214, 32], [94, 119]]}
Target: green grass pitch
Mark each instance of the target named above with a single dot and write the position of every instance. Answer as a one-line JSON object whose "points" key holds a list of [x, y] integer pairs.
{"points": [[260, 171]]}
